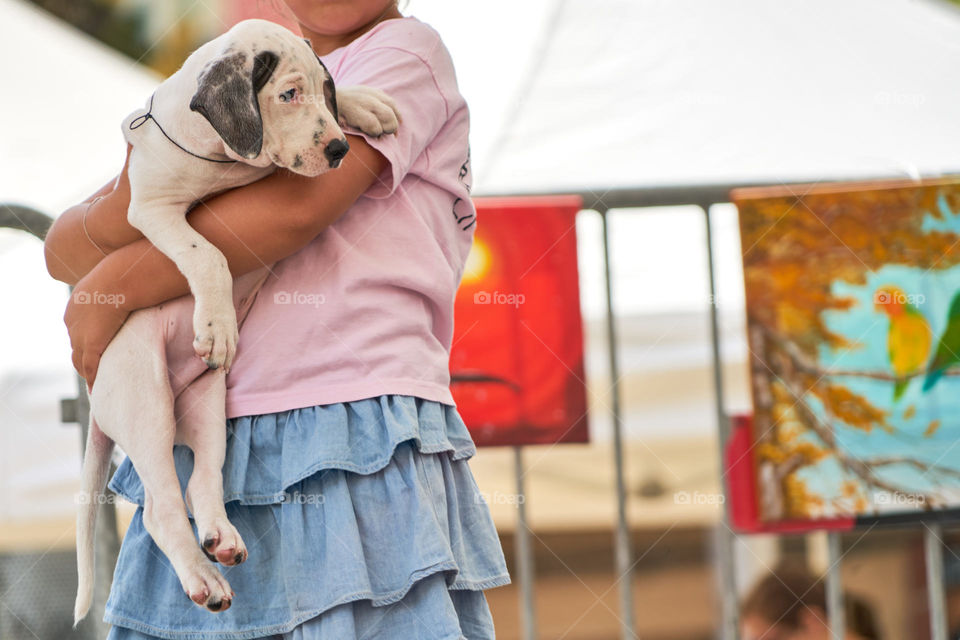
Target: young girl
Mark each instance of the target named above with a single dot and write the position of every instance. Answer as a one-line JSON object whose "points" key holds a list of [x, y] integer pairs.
{"points": [[346, 470]]}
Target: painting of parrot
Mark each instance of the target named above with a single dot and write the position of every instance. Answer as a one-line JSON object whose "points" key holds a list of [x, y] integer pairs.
{"points": [[909, 337], [948, 348]]}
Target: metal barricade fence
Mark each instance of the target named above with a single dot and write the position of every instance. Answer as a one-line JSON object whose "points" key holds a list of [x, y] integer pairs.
{"points": [[704, 197]]}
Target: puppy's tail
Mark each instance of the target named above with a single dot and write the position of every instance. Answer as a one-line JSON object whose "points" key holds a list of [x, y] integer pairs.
{"points": [[93, 478]]}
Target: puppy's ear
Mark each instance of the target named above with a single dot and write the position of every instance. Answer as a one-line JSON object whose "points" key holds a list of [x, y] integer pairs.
{"points": [[264, 64], [227, 97], [329, 92], [329, 89]]}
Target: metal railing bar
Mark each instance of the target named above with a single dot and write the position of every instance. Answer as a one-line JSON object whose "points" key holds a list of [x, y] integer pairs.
{"points": [[526, 576], [836, 613], [725, 565], [678, 194], [23, 218], [936, 590], [623, 553]]}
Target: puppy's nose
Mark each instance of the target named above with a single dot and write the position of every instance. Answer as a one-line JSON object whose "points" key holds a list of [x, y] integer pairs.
{"points": [[335, 151]]}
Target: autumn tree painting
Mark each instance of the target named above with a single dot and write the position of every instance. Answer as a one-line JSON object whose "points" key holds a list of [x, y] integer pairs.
{"points": [[853, 316]]}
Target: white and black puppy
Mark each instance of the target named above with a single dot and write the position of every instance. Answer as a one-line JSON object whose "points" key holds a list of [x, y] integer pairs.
{"points": [[248, 101]]}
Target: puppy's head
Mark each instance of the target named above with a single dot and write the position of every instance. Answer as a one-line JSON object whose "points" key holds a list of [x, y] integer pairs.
{"points": [[300, 104], [270, 99]]}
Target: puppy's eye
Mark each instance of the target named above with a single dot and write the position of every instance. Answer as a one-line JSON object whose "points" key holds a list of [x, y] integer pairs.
{"points": [[288, 96]]}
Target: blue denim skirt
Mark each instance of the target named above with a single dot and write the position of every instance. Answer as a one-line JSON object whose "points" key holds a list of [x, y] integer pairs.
{"points": [[362, 520]]}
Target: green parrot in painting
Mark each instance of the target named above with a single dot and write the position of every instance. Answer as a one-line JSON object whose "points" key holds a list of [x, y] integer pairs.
{"points": [[948, 348], [909, 337]]}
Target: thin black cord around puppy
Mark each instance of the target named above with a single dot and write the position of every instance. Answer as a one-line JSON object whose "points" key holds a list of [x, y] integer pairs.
{"points": [[137, 122]]}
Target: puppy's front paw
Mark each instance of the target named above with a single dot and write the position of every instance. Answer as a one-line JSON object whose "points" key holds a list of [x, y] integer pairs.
{"points": [[215, 334], [369, 110]]}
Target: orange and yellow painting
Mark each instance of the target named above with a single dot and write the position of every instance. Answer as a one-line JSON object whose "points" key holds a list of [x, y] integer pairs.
{"points": [[853, 320]]}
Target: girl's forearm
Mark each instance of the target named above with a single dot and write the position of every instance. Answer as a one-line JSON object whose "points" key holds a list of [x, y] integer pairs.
{"points": [[253, 226], [107, 220], [69, 252], [140, 276]]}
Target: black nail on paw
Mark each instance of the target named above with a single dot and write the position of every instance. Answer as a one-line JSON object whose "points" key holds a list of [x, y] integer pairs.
{"points": [[209, 542], [237, 559], [210, 556], [215, 606]]}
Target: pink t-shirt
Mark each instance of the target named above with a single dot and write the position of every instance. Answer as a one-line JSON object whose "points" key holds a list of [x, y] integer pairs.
{"points": [[366, 308]]}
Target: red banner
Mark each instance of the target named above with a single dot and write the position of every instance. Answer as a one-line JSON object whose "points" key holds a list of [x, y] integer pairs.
{"points": [[517, 358]]}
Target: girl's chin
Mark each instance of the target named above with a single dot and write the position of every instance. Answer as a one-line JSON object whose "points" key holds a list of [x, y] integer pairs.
{"points": [[338, 17]]}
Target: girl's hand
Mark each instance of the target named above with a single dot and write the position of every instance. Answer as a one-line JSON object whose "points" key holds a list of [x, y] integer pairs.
{"points": [[92, 318]]}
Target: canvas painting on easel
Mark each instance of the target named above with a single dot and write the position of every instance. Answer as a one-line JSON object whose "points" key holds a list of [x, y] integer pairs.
{"points": [[853, 316]]}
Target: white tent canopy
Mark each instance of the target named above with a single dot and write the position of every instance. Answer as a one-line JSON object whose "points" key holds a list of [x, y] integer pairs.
{"points": [[627, 93], [64, 96], [569, 94]]}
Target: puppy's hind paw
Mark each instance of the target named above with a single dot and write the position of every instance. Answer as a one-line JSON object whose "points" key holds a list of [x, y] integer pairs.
{"points": [[206, 587], [222, 543]]}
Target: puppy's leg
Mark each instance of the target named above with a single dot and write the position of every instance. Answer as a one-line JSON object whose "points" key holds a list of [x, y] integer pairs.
{"points": [[201, 421], [162, 220], [214, 318], [201, 425], [134, 406]]}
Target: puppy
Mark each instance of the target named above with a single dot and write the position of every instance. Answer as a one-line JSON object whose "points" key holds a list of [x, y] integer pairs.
{"points": [[248, 101]]}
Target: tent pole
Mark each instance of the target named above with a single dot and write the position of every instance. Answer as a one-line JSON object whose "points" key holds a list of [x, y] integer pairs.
{"points": [[725, 546], [525, 570], [623, 553], [936, 593]]}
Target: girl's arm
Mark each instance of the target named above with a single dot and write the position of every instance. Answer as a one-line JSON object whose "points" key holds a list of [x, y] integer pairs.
{"points": [[253, 226]]}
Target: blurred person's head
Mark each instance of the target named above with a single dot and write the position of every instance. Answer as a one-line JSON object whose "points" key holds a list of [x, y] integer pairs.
{"points": [[790, 604]]}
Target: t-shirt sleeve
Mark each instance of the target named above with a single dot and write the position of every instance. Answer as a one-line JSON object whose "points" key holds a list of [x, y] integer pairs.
{"points": [[410, 80]]}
